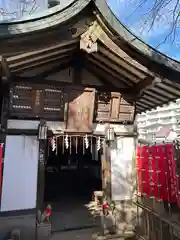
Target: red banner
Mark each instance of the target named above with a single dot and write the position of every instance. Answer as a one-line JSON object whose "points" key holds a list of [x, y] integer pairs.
{"points": [[143, 174], [157, 173], [1, 165]]}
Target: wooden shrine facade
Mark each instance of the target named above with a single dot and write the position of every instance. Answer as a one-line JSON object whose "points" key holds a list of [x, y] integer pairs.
{"points": [[76, 66], [77, 107]]}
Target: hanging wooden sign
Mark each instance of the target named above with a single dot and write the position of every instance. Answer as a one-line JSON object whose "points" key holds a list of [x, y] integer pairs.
{"points": [[37, 101], [80, 110]]}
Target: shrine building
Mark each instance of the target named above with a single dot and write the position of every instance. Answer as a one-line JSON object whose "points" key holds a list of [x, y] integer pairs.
{"points": [[72, 81]]}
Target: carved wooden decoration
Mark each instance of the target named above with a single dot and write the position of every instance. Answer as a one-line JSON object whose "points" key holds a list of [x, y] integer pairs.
{"points": [[88, 41], [126, 111], [80, 111], [103, 107], [111, 107]]}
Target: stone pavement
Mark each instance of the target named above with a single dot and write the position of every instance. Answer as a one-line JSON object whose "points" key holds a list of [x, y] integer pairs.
{"points": [[85, 234]]}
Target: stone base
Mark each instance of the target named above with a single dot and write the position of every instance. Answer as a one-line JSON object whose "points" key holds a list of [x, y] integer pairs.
{"points": [[121, 221], [25, 223], [125, 217], [43, 231]]}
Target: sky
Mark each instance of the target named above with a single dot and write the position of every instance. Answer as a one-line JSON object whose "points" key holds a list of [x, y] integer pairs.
{"points": [[137, 19]]}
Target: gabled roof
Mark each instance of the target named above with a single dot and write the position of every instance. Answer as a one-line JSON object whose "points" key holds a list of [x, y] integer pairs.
{"points": [[120, 58]]}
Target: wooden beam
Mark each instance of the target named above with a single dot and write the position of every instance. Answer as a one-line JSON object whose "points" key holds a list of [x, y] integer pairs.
{"points": [[38, 60], [108, 84], [100, 33], [123, 62], [141, 85], [57, 68], [43, 51], [99, 74], [154, 64], [107, 40], [5, 71], [103, 88], [158, 94], [77, 68], [145, 103], [155, 96], [105, 59], [107, 72], [60, 58]]}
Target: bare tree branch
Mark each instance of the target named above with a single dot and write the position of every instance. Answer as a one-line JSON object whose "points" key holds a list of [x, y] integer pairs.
{"points": [[165, 11]]}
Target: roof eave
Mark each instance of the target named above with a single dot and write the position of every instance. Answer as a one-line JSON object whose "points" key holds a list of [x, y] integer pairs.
{"points": [[163, 65]]}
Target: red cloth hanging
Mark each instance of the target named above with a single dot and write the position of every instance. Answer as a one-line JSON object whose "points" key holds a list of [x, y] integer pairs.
{"points": [[143, 174], [139, 172], [157, 172], [178, 193], [172, 178], [1, 166], [162, 172], [153, 172]]}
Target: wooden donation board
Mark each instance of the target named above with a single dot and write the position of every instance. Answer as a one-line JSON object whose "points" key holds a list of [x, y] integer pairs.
{"points": [[37, 101], [80, 110]]}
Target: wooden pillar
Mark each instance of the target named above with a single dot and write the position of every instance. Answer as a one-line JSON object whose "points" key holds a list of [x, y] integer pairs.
{"points": [[122, 213], [107, 172], [125, 210], [5, 95], [103, 168], [41, 174], [107, 222], [5, 104]]}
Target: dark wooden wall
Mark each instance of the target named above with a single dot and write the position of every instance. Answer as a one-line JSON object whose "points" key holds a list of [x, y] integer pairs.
{"points": [[70, 104]]}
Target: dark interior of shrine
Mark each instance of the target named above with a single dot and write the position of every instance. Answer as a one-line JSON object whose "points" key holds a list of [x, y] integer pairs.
{"points": [[72, 174]]}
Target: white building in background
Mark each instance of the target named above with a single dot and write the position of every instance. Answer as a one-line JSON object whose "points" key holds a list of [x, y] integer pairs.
{"points": [[162, 123]]}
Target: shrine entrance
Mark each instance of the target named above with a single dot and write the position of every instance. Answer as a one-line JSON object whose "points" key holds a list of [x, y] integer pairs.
{"points": [[72, 175]]}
